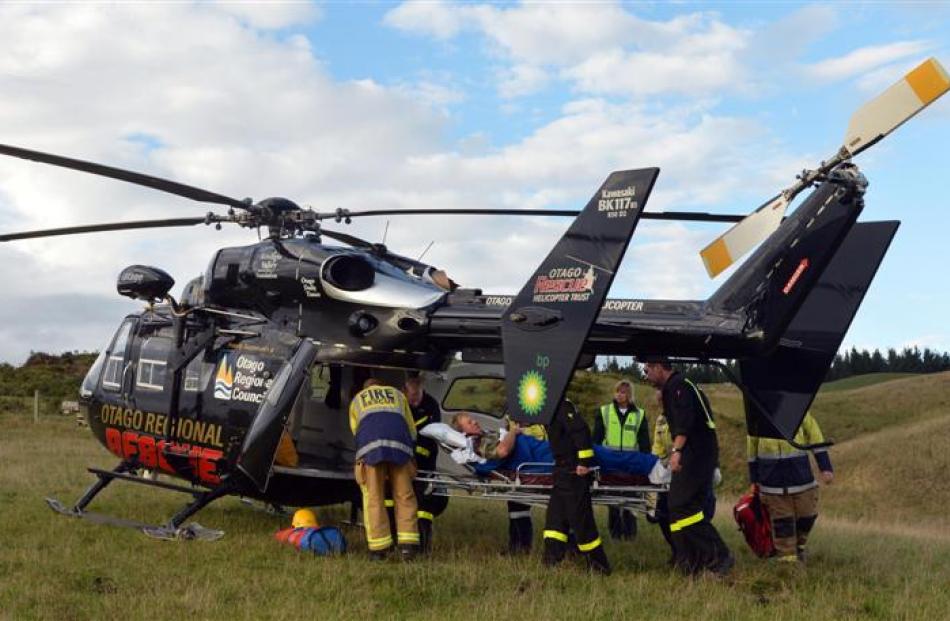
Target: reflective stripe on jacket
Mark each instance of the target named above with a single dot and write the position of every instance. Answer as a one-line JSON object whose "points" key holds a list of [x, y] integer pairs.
{"points": [[382, 423], [780, 468], [621, 436], [662, 440]]}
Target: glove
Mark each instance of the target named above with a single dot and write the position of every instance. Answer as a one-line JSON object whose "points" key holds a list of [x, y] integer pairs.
{"points": [[660, 474], [717, 477]]}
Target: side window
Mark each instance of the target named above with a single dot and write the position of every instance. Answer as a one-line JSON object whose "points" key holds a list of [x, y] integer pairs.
{"points": [[115, 362], [197, 375], [319, 382], [153, 360], [476, 394]]}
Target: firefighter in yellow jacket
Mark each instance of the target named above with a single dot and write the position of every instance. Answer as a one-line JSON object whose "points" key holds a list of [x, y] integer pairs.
{"points": [[385, 433], [782, 475]]}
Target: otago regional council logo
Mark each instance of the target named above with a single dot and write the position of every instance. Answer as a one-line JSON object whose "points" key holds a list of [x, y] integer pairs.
{"points": [[224, 381], [532, 392]]}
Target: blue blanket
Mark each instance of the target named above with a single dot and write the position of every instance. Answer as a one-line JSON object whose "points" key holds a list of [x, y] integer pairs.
{"points": [[532, 450]]}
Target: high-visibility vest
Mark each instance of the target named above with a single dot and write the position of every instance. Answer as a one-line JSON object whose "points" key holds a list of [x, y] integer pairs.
{"points": [[662, 440], [383, 427], [780, 468], [617, 436]]}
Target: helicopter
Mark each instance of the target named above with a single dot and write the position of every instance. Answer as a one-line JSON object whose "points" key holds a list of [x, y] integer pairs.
{"points": [[241, 386]]}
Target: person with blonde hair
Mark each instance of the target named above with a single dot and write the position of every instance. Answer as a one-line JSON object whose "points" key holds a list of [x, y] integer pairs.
{"points": [[622, 426]]}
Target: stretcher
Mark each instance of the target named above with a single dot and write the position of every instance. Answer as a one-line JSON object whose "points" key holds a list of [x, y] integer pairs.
{"points": [[528, 483], [534, 488]]}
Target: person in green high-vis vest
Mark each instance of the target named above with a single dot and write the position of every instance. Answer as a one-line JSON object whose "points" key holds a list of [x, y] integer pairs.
{"points": [[621, 425]]}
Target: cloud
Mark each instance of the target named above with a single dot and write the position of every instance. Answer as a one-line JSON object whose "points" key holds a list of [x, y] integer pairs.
{"points": [[783, 41], [863, 59], [521, 79], [240, 111], [599, 48], [438, 19], [271, 15], [56, 323]]}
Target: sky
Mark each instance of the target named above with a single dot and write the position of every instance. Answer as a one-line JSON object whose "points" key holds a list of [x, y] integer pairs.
{"points": [[433, 104]]}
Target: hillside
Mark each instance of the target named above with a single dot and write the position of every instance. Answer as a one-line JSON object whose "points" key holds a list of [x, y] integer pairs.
{"points": [[860, 381], [896, 476]]}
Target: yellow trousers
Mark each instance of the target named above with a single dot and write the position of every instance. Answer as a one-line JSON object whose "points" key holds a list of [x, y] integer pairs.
{"points": [[372, 482]]}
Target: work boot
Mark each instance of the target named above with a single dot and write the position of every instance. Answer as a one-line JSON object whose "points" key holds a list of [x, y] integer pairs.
{"points": [[724, 567], [553, 553], [408, 552], [597, 561], [425, 536], [378, 555]]}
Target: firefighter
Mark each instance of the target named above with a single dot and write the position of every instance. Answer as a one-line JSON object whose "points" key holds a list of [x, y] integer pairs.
{"points": [[382, 423], [694, 454], [622, 426], [782, 475], [425, 411], [569, 508]]}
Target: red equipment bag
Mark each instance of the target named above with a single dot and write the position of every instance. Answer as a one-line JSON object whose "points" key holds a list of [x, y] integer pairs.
{"points": [[753, 520]]}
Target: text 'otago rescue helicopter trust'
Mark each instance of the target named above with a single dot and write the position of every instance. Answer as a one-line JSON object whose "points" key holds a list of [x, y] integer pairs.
{"points": [[265, 347]]}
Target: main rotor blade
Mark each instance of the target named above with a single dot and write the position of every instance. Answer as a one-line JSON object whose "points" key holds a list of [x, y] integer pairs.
{"points": [[115, 226], [356, 242], [689, 216], [877, 118], [868, 125], [157, 183]]}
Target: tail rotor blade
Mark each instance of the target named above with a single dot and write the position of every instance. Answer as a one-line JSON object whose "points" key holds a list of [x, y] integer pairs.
{"points": [[873, 121], [743, 236], [877, 118]]}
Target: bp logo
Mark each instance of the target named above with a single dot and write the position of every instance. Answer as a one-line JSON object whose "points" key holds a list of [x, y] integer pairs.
{"points": [[532, 392]]}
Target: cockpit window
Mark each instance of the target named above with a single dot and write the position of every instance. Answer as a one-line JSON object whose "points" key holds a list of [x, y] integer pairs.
{"points": [[115, 361], [89, 382]]}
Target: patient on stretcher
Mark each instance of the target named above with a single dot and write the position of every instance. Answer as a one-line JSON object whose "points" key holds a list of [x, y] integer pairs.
{"points": [[491, 450]]}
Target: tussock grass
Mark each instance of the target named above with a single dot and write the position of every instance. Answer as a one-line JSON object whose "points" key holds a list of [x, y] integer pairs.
{"points": [[52, 567]]}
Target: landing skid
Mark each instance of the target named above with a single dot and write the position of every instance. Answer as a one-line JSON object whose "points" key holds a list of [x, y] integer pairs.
{"points": [[193, 531], [175, 529], [270, 508]]}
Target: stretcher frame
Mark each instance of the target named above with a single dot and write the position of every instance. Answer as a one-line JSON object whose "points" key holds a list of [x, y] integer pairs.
{"points": [[521, 485]]}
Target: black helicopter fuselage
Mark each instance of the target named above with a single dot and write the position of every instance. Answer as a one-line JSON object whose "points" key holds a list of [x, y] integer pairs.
{"points": [[189, 389], [205, 420]]}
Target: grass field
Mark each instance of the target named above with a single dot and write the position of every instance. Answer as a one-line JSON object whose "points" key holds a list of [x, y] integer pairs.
{"points": [[881, 548]]}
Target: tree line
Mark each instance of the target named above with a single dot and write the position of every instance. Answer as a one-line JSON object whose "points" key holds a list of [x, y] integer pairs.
{"points": [[850, 362], [55, 376]]}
